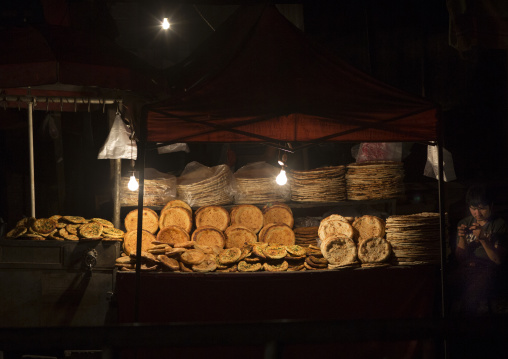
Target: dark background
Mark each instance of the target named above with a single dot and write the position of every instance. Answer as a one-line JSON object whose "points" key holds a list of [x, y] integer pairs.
{"points": [[403, 43]]}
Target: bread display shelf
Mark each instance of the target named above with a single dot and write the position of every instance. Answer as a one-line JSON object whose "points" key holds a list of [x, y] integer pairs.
{"points": [[389, 204]]}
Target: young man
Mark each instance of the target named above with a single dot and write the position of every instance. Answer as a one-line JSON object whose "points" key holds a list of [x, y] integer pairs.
{"points": [[481, 249]]}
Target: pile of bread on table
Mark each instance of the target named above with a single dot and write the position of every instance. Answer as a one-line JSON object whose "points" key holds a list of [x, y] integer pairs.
{"points": [[248, 238], [65, 228]]}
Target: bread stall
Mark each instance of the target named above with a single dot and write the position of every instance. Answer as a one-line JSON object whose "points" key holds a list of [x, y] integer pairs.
{"points": [[58, 269], [269, 84]]}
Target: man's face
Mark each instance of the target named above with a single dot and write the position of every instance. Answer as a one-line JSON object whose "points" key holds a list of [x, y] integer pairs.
{"points": [[481, 212]]}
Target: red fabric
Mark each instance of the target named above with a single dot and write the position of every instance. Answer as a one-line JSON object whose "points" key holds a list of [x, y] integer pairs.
{"points": [[374, 293], [60, 56], [370, 294], [259, 67]]}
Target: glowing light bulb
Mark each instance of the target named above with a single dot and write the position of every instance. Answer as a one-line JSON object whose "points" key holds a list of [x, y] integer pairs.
{"points": [[281, 178], [133, 183], [165, 23]]}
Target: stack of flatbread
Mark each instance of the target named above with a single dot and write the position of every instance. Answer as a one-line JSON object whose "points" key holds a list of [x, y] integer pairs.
{"points": [[374, 180], [206, 186], [305, 236], [255, 183], [414, 238], [156, 192], [69, 228], [325, 184]]}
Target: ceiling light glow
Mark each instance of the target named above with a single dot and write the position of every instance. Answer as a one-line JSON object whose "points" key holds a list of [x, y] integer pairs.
{"points": [[165, 23]]}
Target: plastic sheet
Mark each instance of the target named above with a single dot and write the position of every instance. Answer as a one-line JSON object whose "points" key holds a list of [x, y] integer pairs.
{"points": [[432, 165], [379, 151], [199, 185], [118, 143]]}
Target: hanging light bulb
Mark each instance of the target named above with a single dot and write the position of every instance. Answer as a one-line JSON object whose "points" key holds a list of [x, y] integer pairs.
{"points": [[165, 23], [281, 178], [133, 184]]}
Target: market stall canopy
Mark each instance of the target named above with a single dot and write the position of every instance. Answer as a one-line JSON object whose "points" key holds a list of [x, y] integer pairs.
{"points": [[62, 61], [259, 78]]}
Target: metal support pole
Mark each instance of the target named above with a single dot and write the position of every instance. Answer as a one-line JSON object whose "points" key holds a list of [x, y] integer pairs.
{"points": [[31, 160], [442, 226], [117, 169], [141, 171]]}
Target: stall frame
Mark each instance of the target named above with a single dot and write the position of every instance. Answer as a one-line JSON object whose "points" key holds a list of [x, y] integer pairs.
{"points": [[185, 117]]}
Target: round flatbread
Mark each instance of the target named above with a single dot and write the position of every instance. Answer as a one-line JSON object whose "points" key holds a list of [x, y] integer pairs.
{"points": [[192, 256], [73, 228], [146, 258], [186, 245], [332, 226], [374, 250], [172, 235], [337, 217], [257, 249], [66, 235], [276, 267], [339, 249], [367, 227], [16, 232], [229, 256], [243, 266], [214, 216], [185, 267], [75, 219], [296, 250], [113, 232], [43, 226], [150, 221], [130, 241], [209, 236], [105, 223], [263, 230], [209, 264], [279, 233], [247, 215], [239, 236], [176, 216], [55, 217], [125, 260], [25, 222], [274, 252], [169, 263], [91, 230], [177, 203], [278, 214], [173, 252], [213, 249], [267, 206]]}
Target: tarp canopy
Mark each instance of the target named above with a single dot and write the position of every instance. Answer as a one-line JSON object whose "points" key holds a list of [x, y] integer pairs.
{"points": [[259, 78], [62, 61]]}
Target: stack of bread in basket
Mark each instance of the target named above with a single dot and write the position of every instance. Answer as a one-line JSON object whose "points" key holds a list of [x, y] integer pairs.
{"points": [[248, 238]]}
